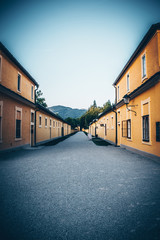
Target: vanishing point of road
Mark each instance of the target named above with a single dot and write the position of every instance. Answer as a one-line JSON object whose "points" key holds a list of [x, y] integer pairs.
{"points": [[77, 190]]}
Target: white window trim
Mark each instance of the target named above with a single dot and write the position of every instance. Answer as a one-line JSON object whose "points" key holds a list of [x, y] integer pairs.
{"points": [[150, 133], [20, 82], [1, 103], [145, 77], [45, 122], [118, 93], [20, 110], [32, 94], [0, 68], [54, 125], [32, 111], [40, 116], [128, 89]]}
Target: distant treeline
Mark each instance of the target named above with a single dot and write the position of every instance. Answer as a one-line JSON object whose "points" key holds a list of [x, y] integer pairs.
{"points": [[91, 114]]}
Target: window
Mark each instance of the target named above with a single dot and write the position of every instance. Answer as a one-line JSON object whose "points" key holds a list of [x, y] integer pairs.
{"points": [[19, 82], [144, 66], [126, 128], [158, 131], [45, 122], [18, 122], [118, 93], [53, 124], [50, 122], [105, 129], [145, 122], [129, 128], [32, 117], [31, 92], [40, 121], [1, 105], [128, 83]]}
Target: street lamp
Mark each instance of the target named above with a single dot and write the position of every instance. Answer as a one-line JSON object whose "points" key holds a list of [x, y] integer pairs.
{"points": [[126, 100]]}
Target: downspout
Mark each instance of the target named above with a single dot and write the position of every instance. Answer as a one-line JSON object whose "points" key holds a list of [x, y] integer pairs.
{"points": [[115, 114], [35, 143], [116, 126]]}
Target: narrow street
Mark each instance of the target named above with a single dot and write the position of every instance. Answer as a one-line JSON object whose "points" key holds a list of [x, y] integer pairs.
{"points": [[76, 190]]}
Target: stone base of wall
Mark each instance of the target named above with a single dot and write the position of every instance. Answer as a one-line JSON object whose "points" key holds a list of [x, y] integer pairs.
{"points": [[144, 154]]}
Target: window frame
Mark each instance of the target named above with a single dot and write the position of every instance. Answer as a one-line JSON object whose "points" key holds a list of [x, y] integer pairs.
{"points": [[128, 82], [19, 82], [17, 109], [129, 137], [144, 67], [118, 95], [46, 122], [40, 121], [32, 92], [54, 124], [144, 138]]}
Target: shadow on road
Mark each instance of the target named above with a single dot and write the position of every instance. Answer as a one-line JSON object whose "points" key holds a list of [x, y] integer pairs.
{"points": [[100, 142]]}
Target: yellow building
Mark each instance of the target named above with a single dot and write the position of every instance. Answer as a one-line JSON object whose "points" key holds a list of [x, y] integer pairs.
{"points": [[49, 126], [138, 96], [17, 102], [134, 122], [105, 126], [20, 116]]}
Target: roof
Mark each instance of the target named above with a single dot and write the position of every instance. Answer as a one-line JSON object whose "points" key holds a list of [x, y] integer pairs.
{"points": [[14, 60], [111, 109], [39, 106], [140, 47]]}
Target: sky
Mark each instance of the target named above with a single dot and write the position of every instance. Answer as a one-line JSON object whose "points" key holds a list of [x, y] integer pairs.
{"points": [[75, 49]]}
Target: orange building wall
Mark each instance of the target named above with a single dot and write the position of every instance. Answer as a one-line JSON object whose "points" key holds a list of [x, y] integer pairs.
{"points": [[9, 77], [135, 70], [136, 142], [109, 120], [9, 123], [45, 133]]}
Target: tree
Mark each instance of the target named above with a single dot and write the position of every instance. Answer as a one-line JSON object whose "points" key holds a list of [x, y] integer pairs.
{"points": [[107, 105], [39, 99], [94, 104]]}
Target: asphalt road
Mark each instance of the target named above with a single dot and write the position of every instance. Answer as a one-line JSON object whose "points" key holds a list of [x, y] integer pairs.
{"points": [[76, 190]]}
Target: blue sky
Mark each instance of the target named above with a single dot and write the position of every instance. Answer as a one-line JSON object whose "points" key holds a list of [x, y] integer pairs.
{"points": [[75, 49]]}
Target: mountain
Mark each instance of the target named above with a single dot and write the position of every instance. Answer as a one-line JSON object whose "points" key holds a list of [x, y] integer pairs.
{"points": [[66, 112]]}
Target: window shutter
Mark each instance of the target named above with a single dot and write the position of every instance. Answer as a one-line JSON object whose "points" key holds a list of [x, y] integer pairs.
{"points": [[124, 128]]}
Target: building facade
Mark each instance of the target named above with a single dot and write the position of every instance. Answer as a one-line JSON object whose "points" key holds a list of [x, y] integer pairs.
{"points": [[18, 110], [137, 97]]}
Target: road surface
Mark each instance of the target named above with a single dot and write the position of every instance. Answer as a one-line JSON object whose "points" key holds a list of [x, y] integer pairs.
{"points": [[76, 190]]}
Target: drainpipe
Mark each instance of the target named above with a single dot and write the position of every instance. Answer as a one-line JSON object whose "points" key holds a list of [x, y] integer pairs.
{"points": [[35, 143], [116, 126]]}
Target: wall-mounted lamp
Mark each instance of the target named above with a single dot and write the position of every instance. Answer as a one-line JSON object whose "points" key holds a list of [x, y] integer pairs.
{"points": [[126, 100]]}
